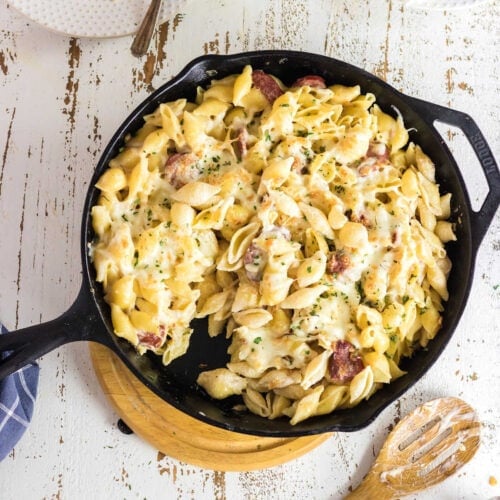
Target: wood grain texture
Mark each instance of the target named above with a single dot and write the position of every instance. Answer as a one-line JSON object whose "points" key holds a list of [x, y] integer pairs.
{"points": [[180, 436], [61, 98], [429, 444]]}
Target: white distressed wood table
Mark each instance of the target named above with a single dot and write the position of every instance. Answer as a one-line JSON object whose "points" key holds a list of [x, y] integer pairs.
{"points": [[61, 98]]}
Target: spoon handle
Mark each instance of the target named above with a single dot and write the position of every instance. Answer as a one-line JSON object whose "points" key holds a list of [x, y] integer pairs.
{"points": [[143, 36], [371, 487]]}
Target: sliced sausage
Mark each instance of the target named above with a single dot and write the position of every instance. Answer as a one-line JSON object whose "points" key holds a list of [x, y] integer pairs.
{"points": [[181, 168], [152, 340], [266, 84], [337, 262], [344, 364], [314, 81]]}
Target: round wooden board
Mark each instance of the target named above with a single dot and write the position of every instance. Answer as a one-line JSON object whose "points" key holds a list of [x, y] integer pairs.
{"points": [[183, 437]]}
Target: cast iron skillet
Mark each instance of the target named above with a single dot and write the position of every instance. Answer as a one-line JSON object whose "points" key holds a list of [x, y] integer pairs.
{"points": [[89, 318]]}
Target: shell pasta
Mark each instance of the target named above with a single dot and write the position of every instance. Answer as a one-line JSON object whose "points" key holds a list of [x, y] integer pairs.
{"points": [[299, 220]]}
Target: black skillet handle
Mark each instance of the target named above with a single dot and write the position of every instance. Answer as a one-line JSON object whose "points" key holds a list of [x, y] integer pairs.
{"points": [[25, 346], [481, 219]]}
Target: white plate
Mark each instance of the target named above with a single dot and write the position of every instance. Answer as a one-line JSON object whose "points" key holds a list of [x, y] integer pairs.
{"points": [[93, 18]]}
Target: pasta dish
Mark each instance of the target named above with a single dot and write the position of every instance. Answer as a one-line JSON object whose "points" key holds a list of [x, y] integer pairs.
{"points": [[299, 220]]}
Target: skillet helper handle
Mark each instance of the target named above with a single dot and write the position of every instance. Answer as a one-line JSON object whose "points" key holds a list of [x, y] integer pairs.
{"points": [[25, 346], [481, 219]]}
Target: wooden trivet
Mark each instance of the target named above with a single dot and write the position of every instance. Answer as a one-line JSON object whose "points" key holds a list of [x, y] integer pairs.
{"points": [[183, 437]]}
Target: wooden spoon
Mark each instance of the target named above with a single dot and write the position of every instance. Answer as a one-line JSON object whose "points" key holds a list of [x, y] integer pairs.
{"points": [[425, 447]]}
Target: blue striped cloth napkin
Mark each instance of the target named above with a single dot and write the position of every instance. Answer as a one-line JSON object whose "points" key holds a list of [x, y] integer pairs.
{"points": [[17, 400]]}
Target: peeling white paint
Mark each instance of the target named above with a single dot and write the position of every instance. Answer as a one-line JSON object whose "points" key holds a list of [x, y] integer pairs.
{"points": [[61, 100]]}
